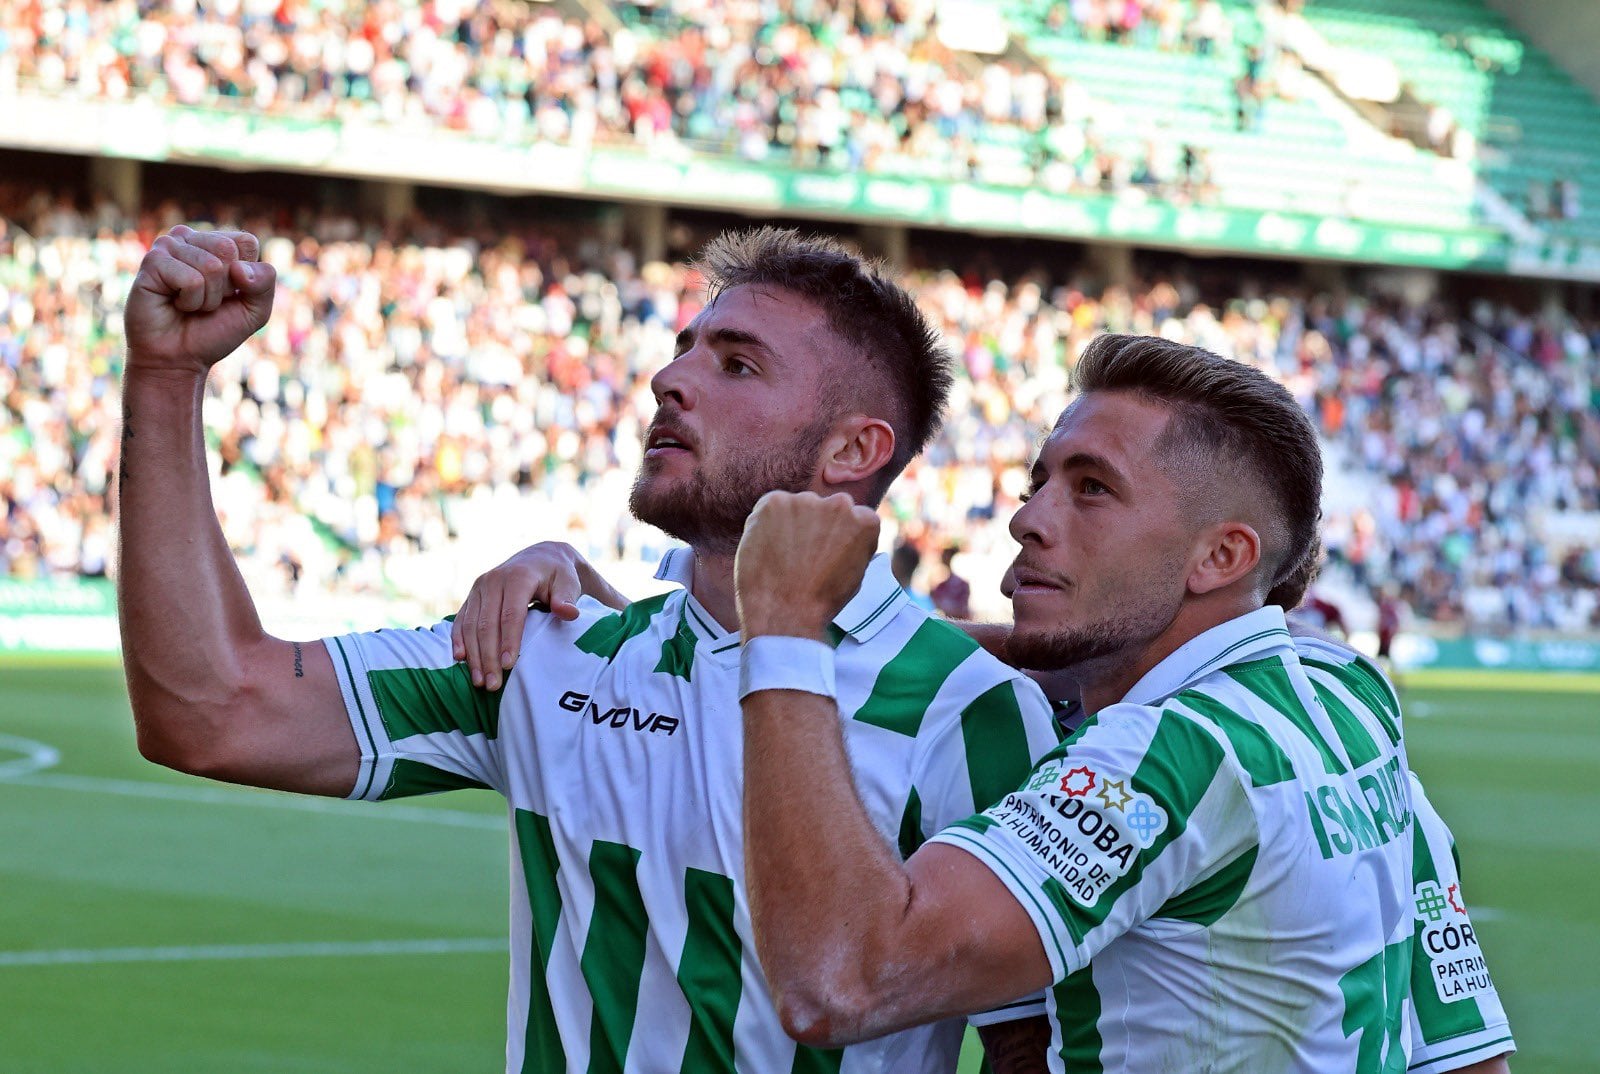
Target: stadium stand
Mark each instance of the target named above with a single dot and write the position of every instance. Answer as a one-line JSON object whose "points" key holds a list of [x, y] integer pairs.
{"points": [[1236, 98], [1208, 101], [1533, 124], [884, 95], [425, 372], [423, 391]]}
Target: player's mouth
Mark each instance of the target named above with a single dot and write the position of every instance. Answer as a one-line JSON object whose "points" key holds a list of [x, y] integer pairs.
{"points": [[1027, 581], [667, 439]]}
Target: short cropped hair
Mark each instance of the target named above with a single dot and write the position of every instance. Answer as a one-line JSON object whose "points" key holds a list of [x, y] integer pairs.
{"points": [[1235, 417], [872, 314]]}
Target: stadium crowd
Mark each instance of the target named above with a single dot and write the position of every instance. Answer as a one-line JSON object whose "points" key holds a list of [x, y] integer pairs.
{"points": [[865, 86], [428, 398]]}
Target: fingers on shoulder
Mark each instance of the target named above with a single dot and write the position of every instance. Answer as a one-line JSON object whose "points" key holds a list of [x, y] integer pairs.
{"points": [[513, 613], [458, 626]]}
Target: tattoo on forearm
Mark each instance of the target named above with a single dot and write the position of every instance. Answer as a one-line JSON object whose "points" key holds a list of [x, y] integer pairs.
{"points": [[299, 668], [122, 455]]}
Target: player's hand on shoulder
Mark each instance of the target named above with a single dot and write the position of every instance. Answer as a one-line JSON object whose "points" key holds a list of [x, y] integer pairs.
{"points": [[801, 560], [198, 295], [487, 631]]}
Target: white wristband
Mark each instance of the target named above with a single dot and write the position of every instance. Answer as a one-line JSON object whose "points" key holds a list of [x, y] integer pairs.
{"points": [[781, 662]]}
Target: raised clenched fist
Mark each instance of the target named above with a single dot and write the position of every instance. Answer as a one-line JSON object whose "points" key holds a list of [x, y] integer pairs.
{"points": [[197, 297], [800, 561]]}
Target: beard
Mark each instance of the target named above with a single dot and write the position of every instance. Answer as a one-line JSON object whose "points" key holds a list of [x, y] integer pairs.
{"points": [[1079, 647], [708, 510]]}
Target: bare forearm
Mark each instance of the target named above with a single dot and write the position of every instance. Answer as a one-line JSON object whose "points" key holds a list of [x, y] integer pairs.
{"points": [[823, 885], [184, 608], [211, 693], [854, 942]]}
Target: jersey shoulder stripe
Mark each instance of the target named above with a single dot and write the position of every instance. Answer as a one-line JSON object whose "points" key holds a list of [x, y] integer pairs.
{"points": [[909, 681]]}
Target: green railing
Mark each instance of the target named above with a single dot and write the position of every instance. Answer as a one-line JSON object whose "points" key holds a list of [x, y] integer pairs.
{"points": [[145, 131]]}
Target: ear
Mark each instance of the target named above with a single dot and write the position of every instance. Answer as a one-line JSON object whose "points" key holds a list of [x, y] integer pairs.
{"points": [[856, 450], [1229, 551]]}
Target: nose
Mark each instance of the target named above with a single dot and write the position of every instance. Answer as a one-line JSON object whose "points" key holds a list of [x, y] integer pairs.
{"points": [[676, 381], [1030, 524]]}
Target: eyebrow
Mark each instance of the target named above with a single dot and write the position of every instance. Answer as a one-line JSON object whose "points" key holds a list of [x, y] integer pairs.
{"points": [[734, 336], [1082, 459], [1079, 460]]}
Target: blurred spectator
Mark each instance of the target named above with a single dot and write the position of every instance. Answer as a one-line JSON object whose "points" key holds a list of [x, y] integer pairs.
{"points": [[418, 379], [952, 596], [905, 561], [1565, 198], [1208, 27], [1389, 621], [828, 84], [864, 86], [1323, 614], [1540, 205]]}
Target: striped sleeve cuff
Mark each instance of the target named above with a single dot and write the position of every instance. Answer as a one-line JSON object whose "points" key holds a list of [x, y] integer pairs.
{"points": [[377, 756], [1463, 1050], [1025, 881]]}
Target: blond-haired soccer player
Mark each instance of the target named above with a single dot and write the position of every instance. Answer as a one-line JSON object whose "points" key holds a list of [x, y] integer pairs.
{"points": [[1215, 871], [616, 740]]}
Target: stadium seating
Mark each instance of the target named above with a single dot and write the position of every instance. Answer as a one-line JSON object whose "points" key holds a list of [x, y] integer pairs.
{"points": [[1066, 106], [417, 383], [1534, 125], [1303, 150], [424, 403]]}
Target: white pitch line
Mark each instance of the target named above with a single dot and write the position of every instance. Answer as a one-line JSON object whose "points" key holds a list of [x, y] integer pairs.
{"points": [[36, 757], [86, 956], [206, 795]]}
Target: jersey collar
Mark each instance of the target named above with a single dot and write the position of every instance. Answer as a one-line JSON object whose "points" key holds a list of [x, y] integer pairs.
{"points": [[1249, 637], [868, 612]]}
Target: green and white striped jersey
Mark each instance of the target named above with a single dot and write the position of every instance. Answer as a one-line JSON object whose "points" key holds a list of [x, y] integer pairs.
{"points": [[1456, 1018], [1231, 846], [618, 744]]}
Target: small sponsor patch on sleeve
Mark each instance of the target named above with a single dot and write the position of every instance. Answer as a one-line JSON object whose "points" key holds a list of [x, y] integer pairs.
{"points": [[1455, 962], [1086, 826]]}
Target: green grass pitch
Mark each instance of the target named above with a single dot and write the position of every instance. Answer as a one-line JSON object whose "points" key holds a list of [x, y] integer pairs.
{"points": [[152, 924]]}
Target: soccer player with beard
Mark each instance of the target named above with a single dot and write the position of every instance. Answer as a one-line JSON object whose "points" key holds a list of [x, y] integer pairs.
{"points": [[1456, 1022], [1217, 871], [616, 738]]}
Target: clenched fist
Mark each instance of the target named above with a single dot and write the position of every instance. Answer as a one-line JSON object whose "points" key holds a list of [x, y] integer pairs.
{"points": [[197, 297], [800, 561]]}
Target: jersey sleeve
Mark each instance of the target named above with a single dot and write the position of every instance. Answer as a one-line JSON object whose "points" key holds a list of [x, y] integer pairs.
{"points": [[1136, 807], [420, 723], [972, 761], [1456, 1016]]}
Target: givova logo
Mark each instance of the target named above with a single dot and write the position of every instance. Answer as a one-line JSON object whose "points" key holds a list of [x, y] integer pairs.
{"points": [[621, 717]]}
